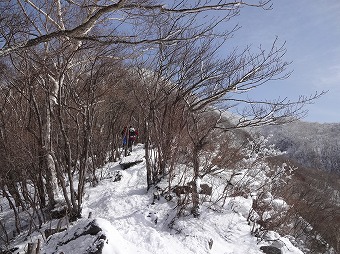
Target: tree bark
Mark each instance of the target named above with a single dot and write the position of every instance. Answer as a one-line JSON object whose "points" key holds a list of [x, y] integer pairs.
{"points": [[147, 156], [195, 196]]}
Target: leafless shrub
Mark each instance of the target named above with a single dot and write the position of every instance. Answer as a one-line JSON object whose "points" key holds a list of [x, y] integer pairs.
{"points": [[311, 197]]}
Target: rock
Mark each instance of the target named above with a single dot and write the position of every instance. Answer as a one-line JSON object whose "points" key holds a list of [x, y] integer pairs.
{"points": [[128, 164], [210, 243], [278, 244], [178, 190], [95, 236], [205, 189], [86, 235], [270, 250], [185, 189], [51, 231], [118, 176], [58, 212]]}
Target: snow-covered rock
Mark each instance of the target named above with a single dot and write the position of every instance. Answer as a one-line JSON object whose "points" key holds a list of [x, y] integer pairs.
{"points": [[96, 236]]}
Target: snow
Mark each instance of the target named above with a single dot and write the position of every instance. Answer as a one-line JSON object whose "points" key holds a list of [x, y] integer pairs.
{"points": [[134, 222], [128, 207], [111, 247]]}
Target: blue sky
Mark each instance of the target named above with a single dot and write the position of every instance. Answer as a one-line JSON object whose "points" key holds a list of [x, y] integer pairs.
{"points": [[311, 30]]}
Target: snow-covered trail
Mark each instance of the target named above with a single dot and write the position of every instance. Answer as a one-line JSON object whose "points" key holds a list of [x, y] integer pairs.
{"points": [[134, 224], [128, 207]]}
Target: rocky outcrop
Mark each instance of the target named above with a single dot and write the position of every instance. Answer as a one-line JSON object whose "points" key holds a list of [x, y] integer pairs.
{"points": [[270, 250], [86, 235]]}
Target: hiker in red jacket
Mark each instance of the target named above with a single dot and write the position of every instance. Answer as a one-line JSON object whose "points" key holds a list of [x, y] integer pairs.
{"points": [[133, 134]]}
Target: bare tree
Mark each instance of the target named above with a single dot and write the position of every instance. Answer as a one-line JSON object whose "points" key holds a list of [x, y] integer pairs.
{"points": [[200, 129], [83, 21], [312, 195], [192, 75], [181, 75], [57, 103]]}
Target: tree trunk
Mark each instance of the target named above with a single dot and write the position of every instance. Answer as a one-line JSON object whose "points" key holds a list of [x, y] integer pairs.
{"points": [[16, 214], [62, 183], [82, 174], [67, 162], [40, 188], [33, 248], [195, 195], [51, 175], [12, 189], [147, 157]]}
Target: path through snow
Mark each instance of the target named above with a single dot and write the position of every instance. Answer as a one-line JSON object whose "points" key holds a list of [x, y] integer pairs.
{"points": [[128, 206]]}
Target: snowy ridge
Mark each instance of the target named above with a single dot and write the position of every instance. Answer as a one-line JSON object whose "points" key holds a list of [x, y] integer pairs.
{"points": [[136, 223], [311, 144], [128, 207]]}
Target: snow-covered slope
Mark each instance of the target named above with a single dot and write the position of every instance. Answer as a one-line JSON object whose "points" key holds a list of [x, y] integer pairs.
{"points": [[312, 144], [145, 223], [134, 222]]}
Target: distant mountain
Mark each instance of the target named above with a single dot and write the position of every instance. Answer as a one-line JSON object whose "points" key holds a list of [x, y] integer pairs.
{"points": [[311, 144]]}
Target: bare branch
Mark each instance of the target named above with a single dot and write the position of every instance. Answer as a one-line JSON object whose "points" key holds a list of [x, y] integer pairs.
{"points": [[80, 32]]}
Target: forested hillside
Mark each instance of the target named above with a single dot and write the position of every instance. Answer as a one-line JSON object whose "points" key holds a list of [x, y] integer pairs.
{"points": [[74, 74], [315, 150], [314, 145]]}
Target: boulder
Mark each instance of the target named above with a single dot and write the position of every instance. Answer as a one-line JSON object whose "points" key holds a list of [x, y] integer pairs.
{"points": [[128, 164], [118, 176], [89, 236], [205, 189], [270, 250], [86, 235]]}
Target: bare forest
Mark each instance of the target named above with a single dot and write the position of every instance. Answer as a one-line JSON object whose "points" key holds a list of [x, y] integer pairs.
{"points": [[74, 73]]}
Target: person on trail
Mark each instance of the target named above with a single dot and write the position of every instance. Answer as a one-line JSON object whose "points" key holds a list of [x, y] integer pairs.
{"points": [[133, 133], [129, 137], [124, 136]]}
